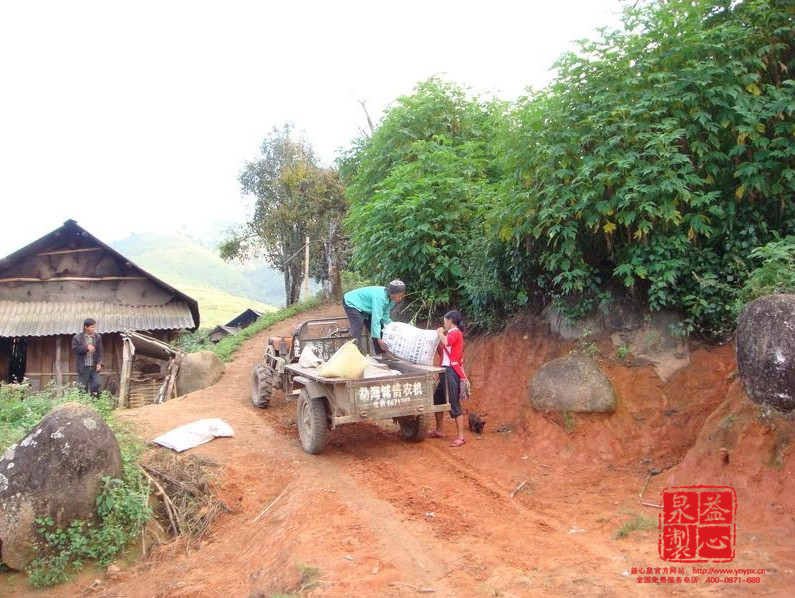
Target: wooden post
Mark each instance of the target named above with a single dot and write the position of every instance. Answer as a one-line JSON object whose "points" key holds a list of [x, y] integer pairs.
{"points": [[58, 373], [127, 353], [306, 270]]}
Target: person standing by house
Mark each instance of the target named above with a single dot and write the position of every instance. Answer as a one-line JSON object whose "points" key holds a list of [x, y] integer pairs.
{"points": [[87, 347], [371, 306], [451, 347]]}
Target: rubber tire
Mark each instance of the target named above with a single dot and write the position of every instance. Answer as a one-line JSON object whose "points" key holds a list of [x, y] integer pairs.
{"points": [[414, 427], [261, 386], [312, 420]]}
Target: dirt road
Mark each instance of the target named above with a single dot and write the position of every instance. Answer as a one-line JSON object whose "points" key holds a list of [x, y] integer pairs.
{"points": [[530, 508]]}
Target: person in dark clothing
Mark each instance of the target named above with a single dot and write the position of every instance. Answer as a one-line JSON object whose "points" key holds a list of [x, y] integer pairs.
{"points": [[89, 355]]}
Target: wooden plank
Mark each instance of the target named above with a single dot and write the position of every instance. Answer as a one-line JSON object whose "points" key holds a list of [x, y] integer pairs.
{"points": [[73, 279], [58, 374], [63, 251], [126, 370]]}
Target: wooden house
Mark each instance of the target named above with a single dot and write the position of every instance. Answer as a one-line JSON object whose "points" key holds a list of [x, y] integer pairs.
{"points": [[47, 290]]}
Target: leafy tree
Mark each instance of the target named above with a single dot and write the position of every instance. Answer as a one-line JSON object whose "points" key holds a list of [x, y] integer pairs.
{"points": [[295, 199], [418, 189], [659, 158]]}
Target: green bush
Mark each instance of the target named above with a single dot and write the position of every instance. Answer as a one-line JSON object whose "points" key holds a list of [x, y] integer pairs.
{"points": [[775, 272], [660, 157], [419, 189]]}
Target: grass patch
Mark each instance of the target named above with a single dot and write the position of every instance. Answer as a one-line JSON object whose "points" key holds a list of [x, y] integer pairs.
{"points": [[226, 347], [569, 422], [637, 523]]}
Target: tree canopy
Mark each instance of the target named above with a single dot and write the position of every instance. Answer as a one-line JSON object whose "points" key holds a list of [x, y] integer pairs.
{"points": [[419, 190], [658, 160], [295, 199]]}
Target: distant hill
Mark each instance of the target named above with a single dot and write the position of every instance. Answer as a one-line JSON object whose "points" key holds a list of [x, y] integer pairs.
{"points": [[220, 287]]}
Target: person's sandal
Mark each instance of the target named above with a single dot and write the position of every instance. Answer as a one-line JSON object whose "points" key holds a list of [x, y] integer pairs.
{"points": [[435, 434], [458, 442]]}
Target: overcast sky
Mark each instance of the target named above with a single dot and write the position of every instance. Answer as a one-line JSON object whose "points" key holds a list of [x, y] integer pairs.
{"points": [[135, 117]]}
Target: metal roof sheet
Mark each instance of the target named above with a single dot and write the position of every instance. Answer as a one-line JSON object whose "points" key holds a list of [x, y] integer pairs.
{"points": [[44, 318]]}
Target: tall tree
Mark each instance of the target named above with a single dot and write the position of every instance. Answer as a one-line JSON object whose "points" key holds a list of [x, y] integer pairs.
{"points": [[295, 199], [416, 189]]}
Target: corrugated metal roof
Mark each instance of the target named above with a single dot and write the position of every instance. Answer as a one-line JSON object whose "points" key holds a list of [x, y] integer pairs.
{"points": [[43, 318]]}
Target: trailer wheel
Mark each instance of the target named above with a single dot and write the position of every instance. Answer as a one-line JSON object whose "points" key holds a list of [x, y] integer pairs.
{"points": [[414, 427], [261, 386], [312, 422]]}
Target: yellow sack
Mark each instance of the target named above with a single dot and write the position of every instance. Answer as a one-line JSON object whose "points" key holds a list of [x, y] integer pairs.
{"points": [[347, 362]]}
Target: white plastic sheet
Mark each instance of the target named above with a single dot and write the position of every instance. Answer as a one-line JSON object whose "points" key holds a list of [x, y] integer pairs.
{"points": [[194, 434]]}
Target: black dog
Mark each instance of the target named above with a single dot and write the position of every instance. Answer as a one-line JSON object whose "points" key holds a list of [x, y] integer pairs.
{"points": [[475, 423]]}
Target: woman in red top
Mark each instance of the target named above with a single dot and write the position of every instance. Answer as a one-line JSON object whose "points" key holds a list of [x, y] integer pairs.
{"points": [[451, 349]]}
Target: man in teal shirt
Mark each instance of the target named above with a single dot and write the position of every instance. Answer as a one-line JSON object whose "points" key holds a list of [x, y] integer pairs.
{"points": [[371, 306]]}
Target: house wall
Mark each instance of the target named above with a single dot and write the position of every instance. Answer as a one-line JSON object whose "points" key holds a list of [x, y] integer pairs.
{"points": [[48, 356]]}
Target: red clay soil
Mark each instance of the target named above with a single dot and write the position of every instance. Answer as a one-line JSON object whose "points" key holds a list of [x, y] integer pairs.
{"points": [[530, 508]]}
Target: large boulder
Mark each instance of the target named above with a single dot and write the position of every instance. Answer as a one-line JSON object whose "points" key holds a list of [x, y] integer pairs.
{"points": [[199, 370], [572, 383], [55, 471], [765, 345]]}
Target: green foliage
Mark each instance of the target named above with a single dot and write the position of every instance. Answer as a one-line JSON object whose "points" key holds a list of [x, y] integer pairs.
{"points": [[569, 422], [122, 507], [655, 155], [21, 409], [354, 280], [775, 272], [659, 160], [637, 523], [486, 290], [418, 189]]}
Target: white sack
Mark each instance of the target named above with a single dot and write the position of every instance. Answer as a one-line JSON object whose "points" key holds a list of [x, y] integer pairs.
{"points": [[308, 359], [410, 343]]}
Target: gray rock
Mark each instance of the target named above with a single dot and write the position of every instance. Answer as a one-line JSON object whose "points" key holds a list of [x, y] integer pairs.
{"points": [[55, 471], [765, 346], [572, 383], [653, 341], [199, 370]]}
